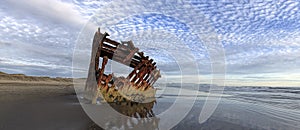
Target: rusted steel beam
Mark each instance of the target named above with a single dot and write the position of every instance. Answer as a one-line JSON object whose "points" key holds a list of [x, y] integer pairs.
{"points": [[150, 69], [141, 54], [132, 73], [155, 77], [109, 46], [117, 53], [94, 62], [144, 71], [99, 49], [141, 64], [129, 44], [111, 55], [130, 55], [111, 41], [137, 57], [107, 80], [150, 77], [104, 62], [142, 76], [120, 48]]}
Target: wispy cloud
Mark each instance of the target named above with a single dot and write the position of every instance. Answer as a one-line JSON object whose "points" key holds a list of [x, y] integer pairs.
{"points": [[260, 38], [50, 10]]}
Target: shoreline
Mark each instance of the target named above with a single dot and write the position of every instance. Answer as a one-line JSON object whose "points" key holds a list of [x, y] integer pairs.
{"points": [[43, 105]]}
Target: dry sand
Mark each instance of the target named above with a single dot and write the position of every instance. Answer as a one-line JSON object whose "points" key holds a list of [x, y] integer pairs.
{"points": [[16, 87]]}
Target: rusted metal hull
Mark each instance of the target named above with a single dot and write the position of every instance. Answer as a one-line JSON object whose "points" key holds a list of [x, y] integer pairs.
{"points": [[136, 87], [126, 91]]}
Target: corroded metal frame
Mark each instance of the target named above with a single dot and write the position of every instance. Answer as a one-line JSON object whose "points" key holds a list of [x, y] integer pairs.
{"points": [[136, 87]]}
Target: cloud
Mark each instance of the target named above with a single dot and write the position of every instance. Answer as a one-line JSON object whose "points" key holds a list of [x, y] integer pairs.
{"points": [[55, 11], [38, 34], [259, 37], [21, 56], [268, 54], [36, 70]]}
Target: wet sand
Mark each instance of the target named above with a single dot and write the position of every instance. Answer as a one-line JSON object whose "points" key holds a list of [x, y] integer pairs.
{"points": [[40, 107], [48, 107]]}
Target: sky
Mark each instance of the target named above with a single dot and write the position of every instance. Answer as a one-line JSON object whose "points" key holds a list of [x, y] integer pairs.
{"points": [[258, 42]]}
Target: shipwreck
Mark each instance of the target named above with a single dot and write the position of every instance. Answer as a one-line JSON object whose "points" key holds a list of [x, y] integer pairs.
{"points": [[136, 87]]}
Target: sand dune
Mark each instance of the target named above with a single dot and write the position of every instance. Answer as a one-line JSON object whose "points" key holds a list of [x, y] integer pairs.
{"points": [[15, 87], [21, 78]]}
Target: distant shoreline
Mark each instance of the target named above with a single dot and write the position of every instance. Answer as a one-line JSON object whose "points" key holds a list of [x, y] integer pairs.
{"points": [[24, 79], [44, 80]]}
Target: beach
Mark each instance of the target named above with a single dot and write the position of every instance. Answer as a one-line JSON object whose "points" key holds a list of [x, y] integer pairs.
{"points": [[56, 106]]}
